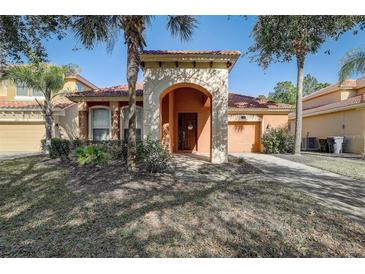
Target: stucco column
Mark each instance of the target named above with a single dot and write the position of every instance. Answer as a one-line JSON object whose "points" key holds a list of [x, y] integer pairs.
{"points": [[83, 120], [171, 121], [114, 106], [219, 153]]}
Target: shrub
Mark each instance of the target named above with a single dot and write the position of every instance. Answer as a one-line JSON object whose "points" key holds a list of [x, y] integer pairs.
{"points": [[93, 154], [60, 148], [277, 140], [152, 156]]}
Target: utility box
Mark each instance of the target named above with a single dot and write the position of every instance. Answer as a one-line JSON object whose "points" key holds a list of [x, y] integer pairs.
{"points": [[335, 144]]}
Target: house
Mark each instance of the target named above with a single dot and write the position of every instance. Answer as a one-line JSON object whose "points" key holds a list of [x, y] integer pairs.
{"points": [[21, 120], [184, 102], [336, 110]]}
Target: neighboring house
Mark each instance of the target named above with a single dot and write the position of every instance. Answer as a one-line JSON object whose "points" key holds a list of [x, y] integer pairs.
{"points": [[22, 122], [184, 102], [337, 110]]}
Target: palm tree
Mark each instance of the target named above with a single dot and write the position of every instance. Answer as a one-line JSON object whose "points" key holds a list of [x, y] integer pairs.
{"points": [[354, 62], [46, 78], [92, 29]]}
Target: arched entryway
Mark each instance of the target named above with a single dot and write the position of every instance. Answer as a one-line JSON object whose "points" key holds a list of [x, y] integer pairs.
{"points": [[186, 119]]}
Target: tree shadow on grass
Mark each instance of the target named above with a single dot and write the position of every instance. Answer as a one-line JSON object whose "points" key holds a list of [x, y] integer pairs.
{"points": [[226, 211]]}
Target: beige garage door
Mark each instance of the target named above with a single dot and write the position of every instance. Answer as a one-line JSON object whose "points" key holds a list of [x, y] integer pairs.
{"points": [[244, 136], [21, 137]]}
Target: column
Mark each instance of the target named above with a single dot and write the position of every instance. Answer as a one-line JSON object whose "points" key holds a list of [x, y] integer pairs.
{"points": [[114, 107], [83, 120]]}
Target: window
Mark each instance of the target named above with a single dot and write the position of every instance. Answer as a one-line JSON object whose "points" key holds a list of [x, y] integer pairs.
{"points": [[124, 120], [21, 90], [38, 93], [79, 87], [100, 124]]}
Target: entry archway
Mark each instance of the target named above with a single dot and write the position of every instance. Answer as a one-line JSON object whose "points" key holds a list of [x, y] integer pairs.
{"points": [[186, 119]]}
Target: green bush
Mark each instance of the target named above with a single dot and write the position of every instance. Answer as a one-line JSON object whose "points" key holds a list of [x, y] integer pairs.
{"points": [[60, 148], [277, 140], [152, 156], [92, 154]]}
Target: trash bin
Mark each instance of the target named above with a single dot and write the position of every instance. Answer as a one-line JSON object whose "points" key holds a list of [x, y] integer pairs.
{"points": [[335, 144], [323, 145]]}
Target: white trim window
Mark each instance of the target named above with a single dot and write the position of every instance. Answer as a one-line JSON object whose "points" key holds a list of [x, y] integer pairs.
{"points": [[37, 93], [100, 123], [21, 90], [124, 123]]}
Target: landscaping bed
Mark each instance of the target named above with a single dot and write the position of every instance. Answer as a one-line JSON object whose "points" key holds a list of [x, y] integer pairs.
{"points": [[196, 209]]}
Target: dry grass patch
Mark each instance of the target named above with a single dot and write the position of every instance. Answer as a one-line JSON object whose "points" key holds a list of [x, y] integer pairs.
{"points": [[198, 210]]}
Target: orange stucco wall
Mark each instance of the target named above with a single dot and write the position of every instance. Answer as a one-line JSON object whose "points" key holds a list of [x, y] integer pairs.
{"points": [[275, 121], [190, 100]]}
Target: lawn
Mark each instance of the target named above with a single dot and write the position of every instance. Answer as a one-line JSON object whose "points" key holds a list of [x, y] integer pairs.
{"points": [[51, 209], [353, 168]]}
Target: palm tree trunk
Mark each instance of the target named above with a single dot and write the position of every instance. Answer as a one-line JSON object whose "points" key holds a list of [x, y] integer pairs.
{"points": [[132, 76], [299, 105], [48, 117]]}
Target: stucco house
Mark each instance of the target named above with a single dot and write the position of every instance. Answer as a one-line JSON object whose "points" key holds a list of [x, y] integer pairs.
{"points": [[337, 110], [21, 120], [183, 102]]}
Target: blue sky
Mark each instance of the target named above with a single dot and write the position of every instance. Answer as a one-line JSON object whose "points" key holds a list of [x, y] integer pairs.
{"points": [[214, 33]]}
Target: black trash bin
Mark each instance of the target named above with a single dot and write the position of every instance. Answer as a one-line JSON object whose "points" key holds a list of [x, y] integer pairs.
{"points": [[323, 145], [330, 142]]}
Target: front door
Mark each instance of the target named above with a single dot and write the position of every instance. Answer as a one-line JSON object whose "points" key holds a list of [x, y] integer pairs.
{"points": [[188, 131]]}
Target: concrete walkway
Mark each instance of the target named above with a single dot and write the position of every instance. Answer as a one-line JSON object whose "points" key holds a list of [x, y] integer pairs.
{"points": [[333, 190]]}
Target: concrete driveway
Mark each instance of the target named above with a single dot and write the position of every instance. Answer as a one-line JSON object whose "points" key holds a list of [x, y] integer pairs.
{"points": [[8, 155], [333, 190]]}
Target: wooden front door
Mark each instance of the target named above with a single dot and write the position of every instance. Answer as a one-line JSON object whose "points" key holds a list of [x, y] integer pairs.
{"points": [[188, 131]]}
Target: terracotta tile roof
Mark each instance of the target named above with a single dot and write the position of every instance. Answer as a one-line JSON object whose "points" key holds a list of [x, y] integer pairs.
{"points": [[115, 91], [234, 100], [242, 101], [352, 101], [60, 103], [191, 52]]}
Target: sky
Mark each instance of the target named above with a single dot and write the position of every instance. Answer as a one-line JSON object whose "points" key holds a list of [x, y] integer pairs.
{"points": [[105, 68]]}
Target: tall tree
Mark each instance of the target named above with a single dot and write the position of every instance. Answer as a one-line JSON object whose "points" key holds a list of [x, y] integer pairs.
{"points": [[284, 92], [311, 84], [352, 63], [22, 36], [46, 78], [282, 38], [92, 29]]}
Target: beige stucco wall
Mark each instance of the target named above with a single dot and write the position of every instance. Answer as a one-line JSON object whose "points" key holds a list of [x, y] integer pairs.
{"points": [[213, 80], [350, 123], [69, 123], [322, 100]]}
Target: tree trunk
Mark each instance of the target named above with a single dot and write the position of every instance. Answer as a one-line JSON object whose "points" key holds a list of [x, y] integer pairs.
{"points": [[48, 117], [299, 106], [132, 76]]}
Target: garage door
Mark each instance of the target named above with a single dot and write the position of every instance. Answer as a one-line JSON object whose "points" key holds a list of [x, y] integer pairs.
{"points": [[244, 136], [21, 137]]}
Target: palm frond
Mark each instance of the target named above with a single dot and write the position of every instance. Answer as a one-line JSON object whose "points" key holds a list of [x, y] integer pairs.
{"points": [[182, 26], [90, 29], [353, 63]]}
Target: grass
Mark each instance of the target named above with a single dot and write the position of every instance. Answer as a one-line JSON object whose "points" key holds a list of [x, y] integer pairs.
{"points": [[48, 209], [353, 168]]}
